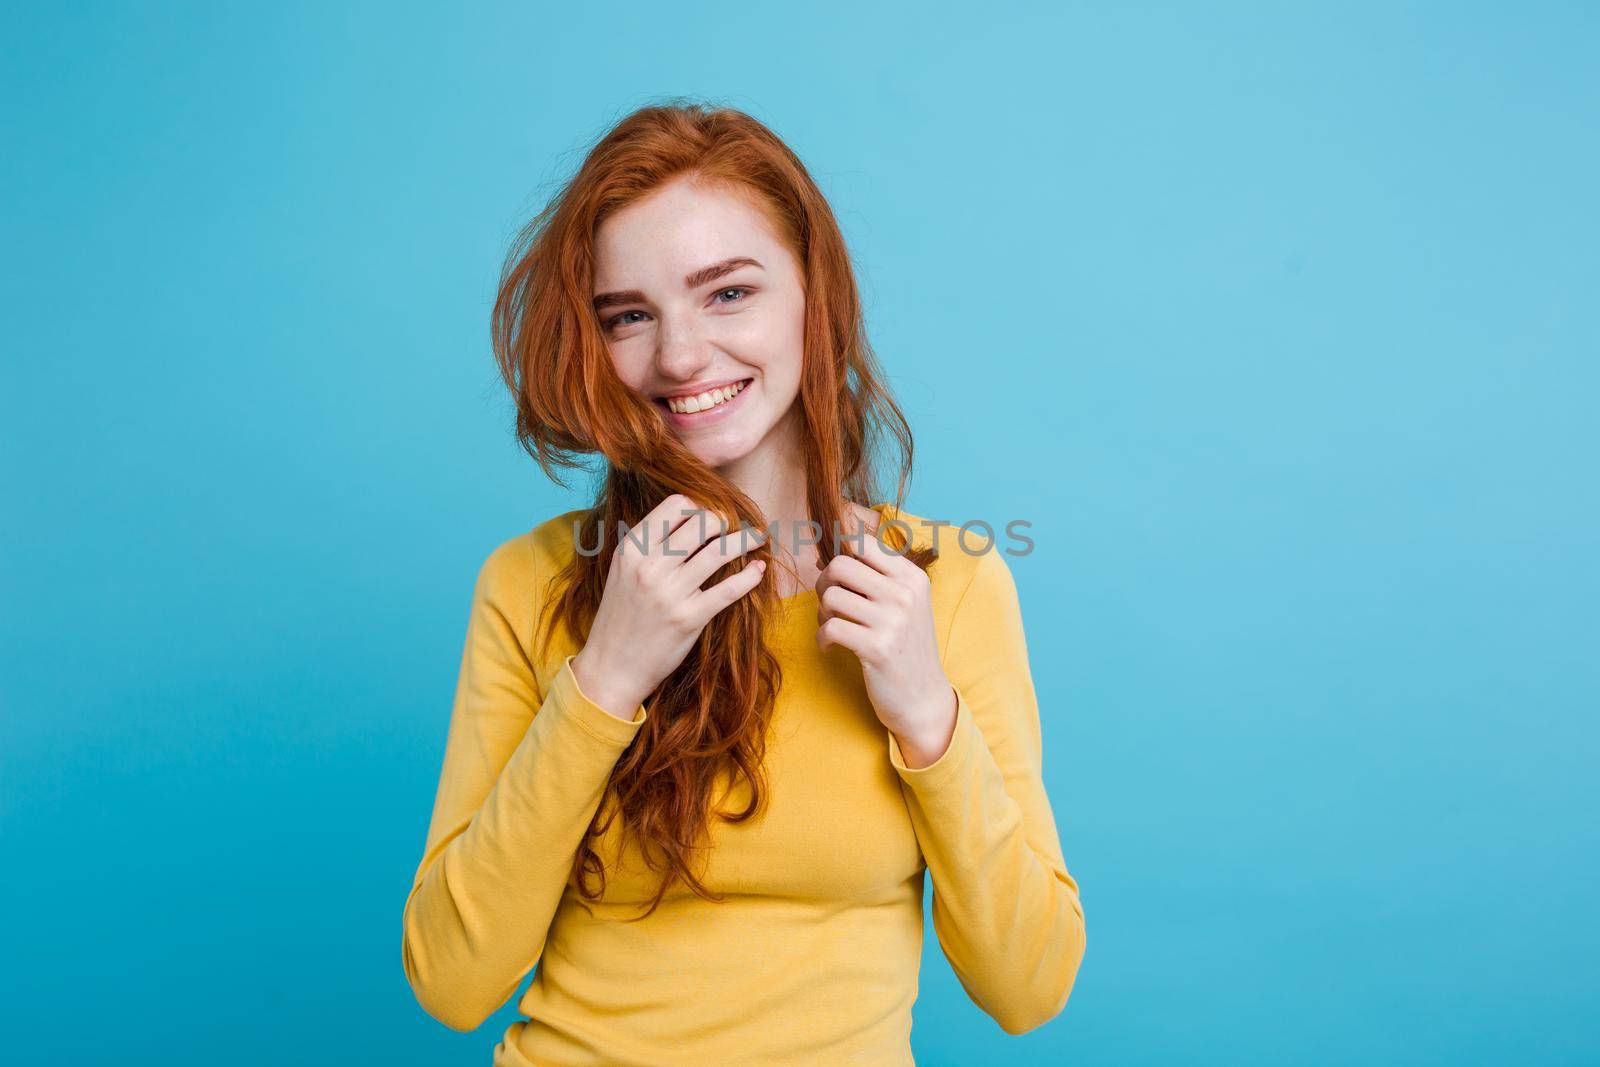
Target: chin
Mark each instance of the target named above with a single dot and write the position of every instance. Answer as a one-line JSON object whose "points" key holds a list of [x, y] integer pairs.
{"points": [[719, 457], [719, 453], [732, 441]]}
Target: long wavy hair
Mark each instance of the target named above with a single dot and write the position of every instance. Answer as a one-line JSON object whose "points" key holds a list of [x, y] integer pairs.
{"points": [[712, 712]]}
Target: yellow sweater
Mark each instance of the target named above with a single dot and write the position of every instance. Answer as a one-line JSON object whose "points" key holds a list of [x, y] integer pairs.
{"points": [[814, 956]]}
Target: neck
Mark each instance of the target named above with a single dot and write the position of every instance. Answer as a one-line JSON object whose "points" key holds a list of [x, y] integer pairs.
{"points": [[773, 476]]}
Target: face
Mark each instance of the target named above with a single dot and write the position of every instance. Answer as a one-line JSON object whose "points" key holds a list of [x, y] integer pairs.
{"points": [[703, 308]]}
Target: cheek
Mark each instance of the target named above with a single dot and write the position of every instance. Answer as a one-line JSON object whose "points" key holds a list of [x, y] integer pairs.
{"points": [[773, 345], [632, 368], [791, 357], [795, 350]]}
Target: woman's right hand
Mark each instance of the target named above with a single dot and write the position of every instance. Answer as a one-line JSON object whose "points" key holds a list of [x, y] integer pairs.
{"points": [[653, 608]]}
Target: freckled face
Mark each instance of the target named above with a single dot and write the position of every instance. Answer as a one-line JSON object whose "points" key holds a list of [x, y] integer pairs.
{"points": [[702, 306]]}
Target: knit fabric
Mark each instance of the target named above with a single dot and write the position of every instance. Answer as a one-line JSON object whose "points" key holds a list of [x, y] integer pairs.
{"points": [[813, 957]]}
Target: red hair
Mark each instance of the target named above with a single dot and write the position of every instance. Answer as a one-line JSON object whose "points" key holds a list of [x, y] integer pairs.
{"points": [[570, 402]]}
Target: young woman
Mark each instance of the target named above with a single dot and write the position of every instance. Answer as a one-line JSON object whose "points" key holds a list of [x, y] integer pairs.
{"points": [[700, 756]]}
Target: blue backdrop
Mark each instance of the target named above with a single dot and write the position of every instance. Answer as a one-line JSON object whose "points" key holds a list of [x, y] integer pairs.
{"points": [[1278, 325]]}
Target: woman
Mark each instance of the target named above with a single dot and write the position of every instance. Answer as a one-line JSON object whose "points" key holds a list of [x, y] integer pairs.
{"points": [[699, 790]]}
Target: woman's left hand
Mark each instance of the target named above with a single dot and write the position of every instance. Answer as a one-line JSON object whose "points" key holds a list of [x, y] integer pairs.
{"points": [[878, 604]]}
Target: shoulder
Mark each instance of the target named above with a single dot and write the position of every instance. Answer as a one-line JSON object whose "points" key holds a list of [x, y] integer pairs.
{"points": [[976, 608], [514, 592], [517, 563], [971, 568]]}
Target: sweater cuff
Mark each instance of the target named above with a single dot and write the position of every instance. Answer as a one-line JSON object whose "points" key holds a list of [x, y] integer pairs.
{"points": [[949, 762], [591, 716]]}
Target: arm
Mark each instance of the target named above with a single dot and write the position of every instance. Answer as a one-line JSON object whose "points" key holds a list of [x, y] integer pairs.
{"points": [[1005, 909], [524, 773]]}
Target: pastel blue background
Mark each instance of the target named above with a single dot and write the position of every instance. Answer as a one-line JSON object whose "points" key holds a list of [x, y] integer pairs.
{"points": [[1279, 325]]}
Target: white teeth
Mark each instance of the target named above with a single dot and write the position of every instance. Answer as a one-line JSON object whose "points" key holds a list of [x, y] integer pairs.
{"points": [[687, 405]]}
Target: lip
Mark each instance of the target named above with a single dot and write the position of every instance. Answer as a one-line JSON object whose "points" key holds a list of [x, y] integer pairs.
{"points": [[710, 415]]}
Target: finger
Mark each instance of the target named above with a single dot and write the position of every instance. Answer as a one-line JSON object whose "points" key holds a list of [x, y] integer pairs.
{"points": [[730, 545], [725, 592], [854, 575], [699, 526], [837, 602], [659, 521], [870, 549], [842, 633]]}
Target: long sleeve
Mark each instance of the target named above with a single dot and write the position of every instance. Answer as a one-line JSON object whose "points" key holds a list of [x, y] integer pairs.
{"points": [[1006, 911], [524, 773]]}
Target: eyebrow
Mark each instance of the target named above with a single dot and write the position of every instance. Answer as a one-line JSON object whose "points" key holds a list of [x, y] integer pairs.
{"points": [[694, 281]]}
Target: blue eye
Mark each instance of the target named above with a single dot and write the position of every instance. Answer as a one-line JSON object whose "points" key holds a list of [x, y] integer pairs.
{"points": [[616, 320], [621, 319]]}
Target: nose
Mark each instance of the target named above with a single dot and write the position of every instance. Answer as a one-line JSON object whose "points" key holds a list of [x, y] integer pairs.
{"points": [[681, 354]]}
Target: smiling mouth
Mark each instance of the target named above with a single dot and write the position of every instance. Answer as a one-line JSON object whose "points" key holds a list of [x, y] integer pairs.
{"points": [[706, 401]]}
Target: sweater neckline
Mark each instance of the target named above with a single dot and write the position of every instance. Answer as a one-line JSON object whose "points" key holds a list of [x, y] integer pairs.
{"points": [[795, 617]]}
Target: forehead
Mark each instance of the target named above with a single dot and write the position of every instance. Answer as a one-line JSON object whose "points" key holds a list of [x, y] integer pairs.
{"points": [[679, 228]]}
